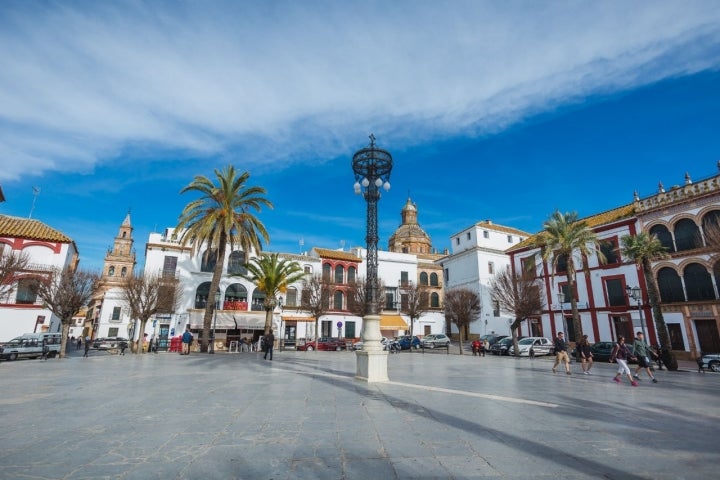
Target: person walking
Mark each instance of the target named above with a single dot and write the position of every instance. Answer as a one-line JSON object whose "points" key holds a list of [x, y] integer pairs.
{"points": [[187, 339], [79, 343], [643, 352], [621, 354], [269, 340], [476, 347], [585, 355], [561, 353], [87, 345]]}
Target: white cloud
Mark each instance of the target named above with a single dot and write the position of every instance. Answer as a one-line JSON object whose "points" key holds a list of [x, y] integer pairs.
{"points": [[295, 80]]}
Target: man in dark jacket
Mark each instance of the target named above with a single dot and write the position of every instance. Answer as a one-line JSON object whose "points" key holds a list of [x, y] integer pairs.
{"points": [[561, 353], [269, 341]]}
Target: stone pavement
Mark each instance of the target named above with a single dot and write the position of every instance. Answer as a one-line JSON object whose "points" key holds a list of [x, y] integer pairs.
{"points": [[303, 415]]}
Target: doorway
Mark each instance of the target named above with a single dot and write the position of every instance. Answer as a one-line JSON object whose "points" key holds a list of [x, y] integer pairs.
{"points": [[623, 326], [708, 337]]}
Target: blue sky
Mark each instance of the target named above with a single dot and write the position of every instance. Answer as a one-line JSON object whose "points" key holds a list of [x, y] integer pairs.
{"points": [[491, 110]]}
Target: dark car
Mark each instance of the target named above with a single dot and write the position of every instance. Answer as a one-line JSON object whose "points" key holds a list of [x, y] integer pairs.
{"points": [[503, 346], [405, 342], [601, 351], [323, 343], [492, 338], [108, 343]]}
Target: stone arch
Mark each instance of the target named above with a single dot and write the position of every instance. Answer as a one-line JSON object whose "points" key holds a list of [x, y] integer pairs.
{"points": [[662, 232], [208, 260], [236, 292], [698, 283], [258, 298], [687, 234], [202, 293], [670, 285], [338, 298], [423, 278], [434, 280]]}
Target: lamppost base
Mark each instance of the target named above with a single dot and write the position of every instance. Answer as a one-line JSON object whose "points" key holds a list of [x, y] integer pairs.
{"points": [[372, 366]]}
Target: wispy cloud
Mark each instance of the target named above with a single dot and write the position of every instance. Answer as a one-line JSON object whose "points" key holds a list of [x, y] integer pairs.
{"points": [[301, 81]]}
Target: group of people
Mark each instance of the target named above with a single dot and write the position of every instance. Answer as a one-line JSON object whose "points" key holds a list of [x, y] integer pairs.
{"points": [[480, 347], [621, 354], [266, 343]]}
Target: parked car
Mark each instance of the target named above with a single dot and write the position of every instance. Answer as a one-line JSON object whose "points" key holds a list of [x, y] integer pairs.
{"points": [[435, 340], [323, 343], [359, 345], [601, 351], [31, 345], [107, 343], [492, 338], [711, 361], [406, 342], [540, 345], [503, 346]]}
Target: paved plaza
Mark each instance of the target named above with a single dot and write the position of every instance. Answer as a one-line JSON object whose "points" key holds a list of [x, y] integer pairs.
{"points": [[303, 415]]}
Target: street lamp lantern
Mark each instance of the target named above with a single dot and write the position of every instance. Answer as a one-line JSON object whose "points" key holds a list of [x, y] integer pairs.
{"points": [[212, 333], [636, 294], [372, 166]]}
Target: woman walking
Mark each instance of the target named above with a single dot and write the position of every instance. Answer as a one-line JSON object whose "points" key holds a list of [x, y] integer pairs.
{"points": [[585, 355], [621, 354]]}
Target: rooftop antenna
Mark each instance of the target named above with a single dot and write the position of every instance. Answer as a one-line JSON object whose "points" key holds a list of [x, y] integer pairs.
{"points": [[36, 192]]}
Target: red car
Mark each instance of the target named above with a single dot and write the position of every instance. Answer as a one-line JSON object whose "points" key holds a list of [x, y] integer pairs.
{"points": [[323, 343]]}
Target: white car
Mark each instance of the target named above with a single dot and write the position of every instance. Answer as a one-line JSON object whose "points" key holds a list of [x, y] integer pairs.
{"points": [[436, 340], [540, 346], [359, 345]]}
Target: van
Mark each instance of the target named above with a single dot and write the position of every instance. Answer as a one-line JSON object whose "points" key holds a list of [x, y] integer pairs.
{"points": [[31, 345]]}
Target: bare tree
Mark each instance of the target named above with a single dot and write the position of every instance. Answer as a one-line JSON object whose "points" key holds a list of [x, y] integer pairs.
{"points": [[315, 298], [357, 297], [146, 295], [414, 302], [11, 263], [462, 307], [65, 292], [519, 295]]}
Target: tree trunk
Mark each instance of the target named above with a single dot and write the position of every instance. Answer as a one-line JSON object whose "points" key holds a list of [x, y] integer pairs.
{"points": [[461, 339], [668, 357], [577, 324], [513, 331], [65, 328], [268, 320], [214, 284], [141, 336]]}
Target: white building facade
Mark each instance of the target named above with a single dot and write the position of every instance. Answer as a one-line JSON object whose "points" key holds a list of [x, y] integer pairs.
{"points": [[48, 250], [477, 254]]}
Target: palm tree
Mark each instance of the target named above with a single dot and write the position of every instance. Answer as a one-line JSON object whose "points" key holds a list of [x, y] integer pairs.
{"points": [[272, 275], [564, 237], [642, 249], [224, 214]]}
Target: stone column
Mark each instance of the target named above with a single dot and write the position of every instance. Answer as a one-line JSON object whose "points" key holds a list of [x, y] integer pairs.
{"points": [[372, 359]]}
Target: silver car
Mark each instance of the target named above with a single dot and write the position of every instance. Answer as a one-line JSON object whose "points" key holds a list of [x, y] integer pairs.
{"points": [[711, 361], [436, 340]]}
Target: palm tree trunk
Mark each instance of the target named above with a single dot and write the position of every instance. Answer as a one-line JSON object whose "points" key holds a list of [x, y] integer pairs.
{"points": [[654, 297], [268, 320], [214, 285], [577, 324]]}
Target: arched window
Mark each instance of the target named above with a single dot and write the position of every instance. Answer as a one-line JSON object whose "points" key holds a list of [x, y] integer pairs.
{"points": [[663, 235], [687, 235], [352, 272], [111, 271], [123, 272], [711, 228], [338, 300], [423, 278], [202, 293], [435, 300], [124, 234], [327, 269], [236, 263], [258, 297], [236, 292], [434, 280], [698, 283], [670, 286], [209, 260], [339, 274]]}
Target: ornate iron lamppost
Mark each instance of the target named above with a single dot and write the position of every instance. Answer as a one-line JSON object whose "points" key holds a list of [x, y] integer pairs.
{"points": [[372, 167], [636, 294]]}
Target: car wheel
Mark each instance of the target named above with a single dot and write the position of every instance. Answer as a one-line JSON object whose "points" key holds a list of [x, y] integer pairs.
{"points": [[12, 356], [714, 366], [432, 345], [310, 349], [337, 349]]}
